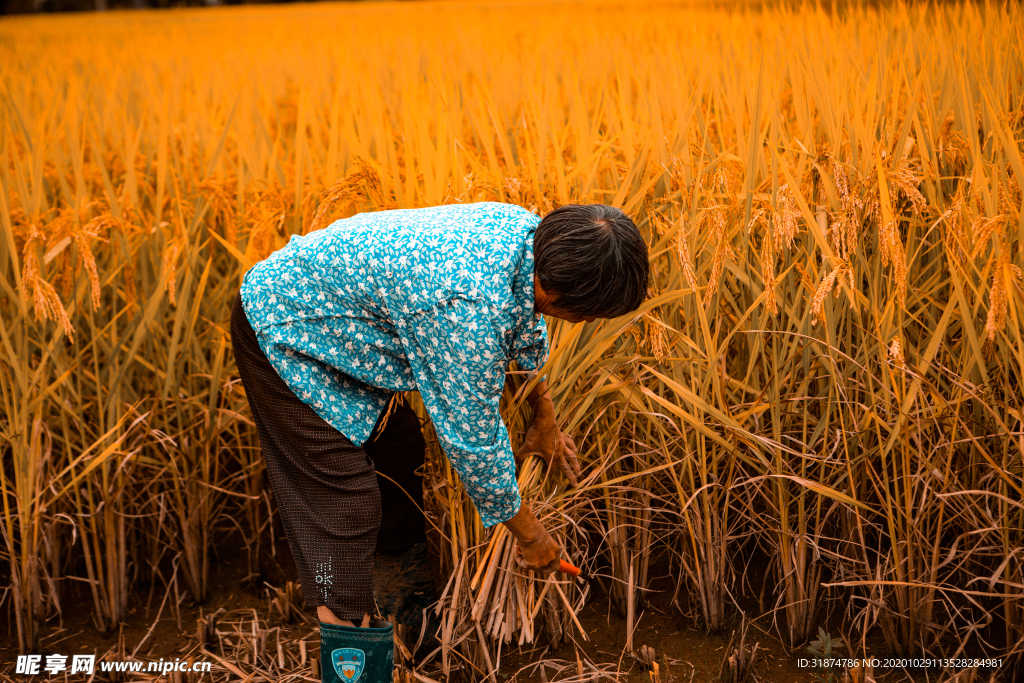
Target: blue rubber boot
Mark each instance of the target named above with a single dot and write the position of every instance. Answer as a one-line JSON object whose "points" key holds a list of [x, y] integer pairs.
{"points": [[350, 654]]}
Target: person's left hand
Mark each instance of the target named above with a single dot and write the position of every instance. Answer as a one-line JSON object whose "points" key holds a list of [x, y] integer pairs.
{"points": [[545, 439]]}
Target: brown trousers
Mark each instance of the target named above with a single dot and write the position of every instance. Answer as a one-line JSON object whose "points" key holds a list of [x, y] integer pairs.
{"points": [[335, 509]]}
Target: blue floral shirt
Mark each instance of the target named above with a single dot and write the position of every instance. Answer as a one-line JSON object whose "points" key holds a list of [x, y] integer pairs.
{"points": [[438, 300]]}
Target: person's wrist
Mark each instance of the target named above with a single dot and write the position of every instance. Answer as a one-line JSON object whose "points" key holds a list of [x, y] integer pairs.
{"points": [[523, 526], [544, 410], [528, 543], [530, 535], [539, 396]]}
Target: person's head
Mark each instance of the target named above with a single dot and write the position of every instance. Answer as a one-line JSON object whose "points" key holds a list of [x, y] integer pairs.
{"points": [[590, 262]]}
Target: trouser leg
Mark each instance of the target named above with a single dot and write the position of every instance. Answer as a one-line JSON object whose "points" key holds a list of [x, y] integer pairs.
{"points": [[325, 486]]}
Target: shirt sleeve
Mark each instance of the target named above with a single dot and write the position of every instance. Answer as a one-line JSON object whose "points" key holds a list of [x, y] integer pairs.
{"points": [[459, 369], [531, 349]]}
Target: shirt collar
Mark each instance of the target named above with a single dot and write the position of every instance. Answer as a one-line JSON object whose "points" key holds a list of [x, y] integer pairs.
{"points": [[522, 281]]}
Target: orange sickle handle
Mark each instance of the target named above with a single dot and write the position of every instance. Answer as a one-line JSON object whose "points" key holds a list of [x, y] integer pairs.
{"points": [[567, 568]]}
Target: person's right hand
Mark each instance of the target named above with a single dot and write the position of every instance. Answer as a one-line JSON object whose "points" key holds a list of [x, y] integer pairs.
{"points": [[536, 549], [542, 555]]}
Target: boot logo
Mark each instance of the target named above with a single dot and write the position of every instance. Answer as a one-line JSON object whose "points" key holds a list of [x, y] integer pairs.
{"points": [[348, 663]]}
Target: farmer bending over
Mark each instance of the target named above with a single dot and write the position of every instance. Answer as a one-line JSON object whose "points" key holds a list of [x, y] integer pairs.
{"points": [[438, 300]]}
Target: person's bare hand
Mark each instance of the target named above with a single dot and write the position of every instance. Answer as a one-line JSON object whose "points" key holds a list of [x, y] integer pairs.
{"points": [[542, 556], [535, 548], [545, 439]]}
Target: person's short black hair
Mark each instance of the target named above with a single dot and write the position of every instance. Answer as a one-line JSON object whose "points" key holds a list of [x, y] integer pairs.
{"points": [[592, 258]]}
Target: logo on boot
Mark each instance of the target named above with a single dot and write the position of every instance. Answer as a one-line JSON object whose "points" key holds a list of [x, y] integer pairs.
{"points": [[348, 663]]}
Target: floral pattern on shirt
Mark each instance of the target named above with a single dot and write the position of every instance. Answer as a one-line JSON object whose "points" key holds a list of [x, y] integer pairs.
{"points": [[437, 300]]}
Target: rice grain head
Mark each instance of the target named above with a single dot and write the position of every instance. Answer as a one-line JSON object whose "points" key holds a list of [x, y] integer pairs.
{"points": [[998, 300], [819, 296]]}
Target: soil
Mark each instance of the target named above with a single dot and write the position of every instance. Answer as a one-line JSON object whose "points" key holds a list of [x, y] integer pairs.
{"points": [[685, 653]]}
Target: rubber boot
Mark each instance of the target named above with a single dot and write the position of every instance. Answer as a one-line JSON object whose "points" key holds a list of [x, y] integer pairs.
{"points": [[349, 654]]}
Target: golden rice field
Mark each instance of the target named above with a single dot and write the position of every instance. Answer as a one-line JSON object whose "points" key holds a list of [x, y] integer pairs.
{"points": [[819, 407]]}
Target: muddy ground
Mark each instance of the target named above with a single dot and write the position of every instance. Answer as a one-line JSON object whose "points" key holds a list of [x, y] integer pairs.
{"points": [[166, 626]]}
